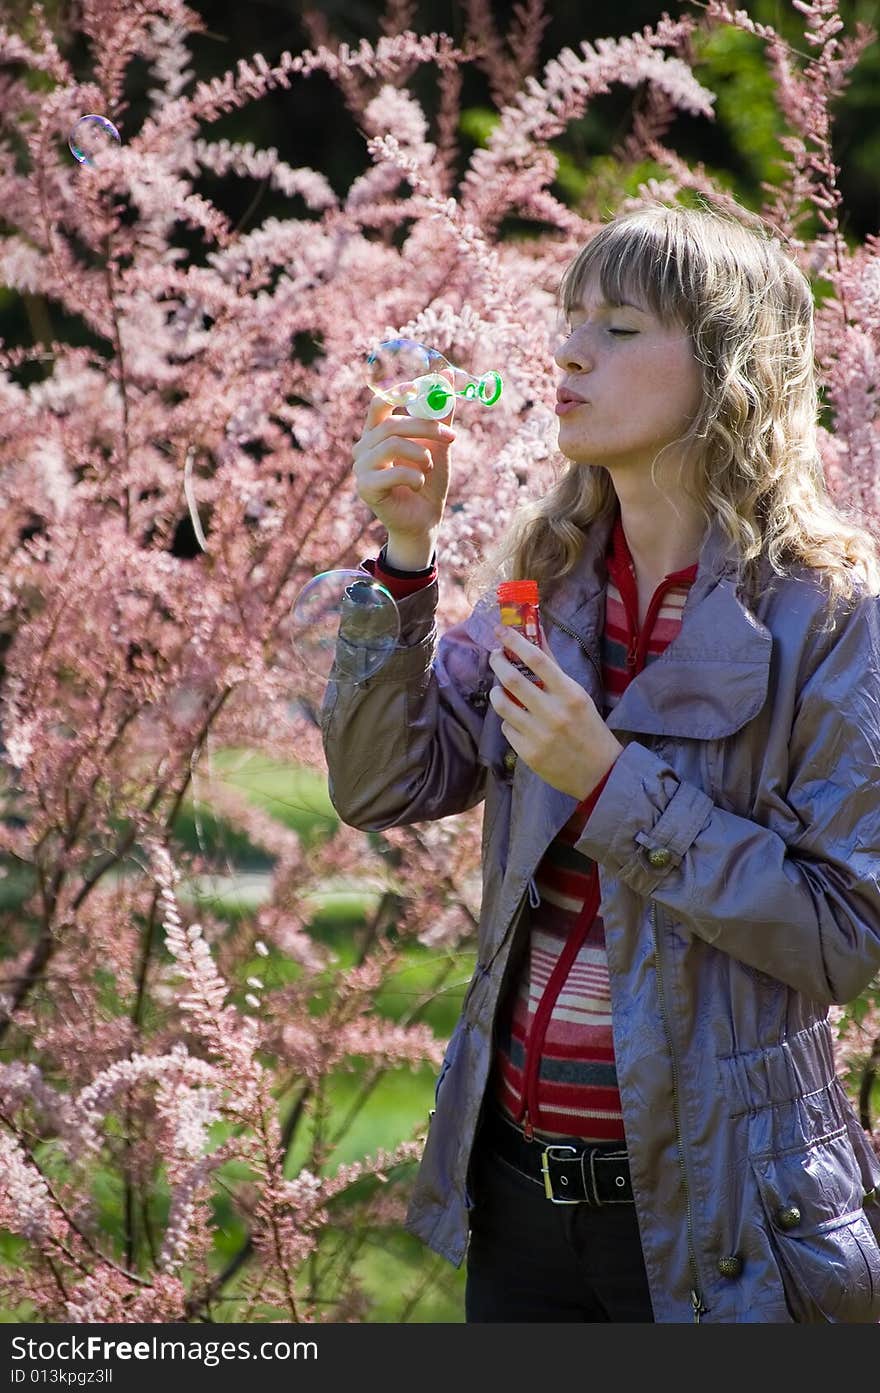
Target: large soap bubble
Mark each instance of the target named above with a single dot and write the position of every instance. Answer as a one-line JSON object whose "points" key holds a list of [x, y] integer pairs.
{"points": [[344, 617], [91, 136], [406, 373]]}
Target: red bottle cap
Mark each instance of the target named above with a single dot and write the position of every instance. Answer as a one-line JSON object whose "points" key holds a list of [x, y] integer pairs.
{"points": [[519, 591]]}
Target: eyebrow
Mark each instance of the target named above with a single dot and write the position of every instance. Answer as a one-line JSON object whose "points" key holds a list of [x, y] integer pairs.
{"points": [[610, 305]]}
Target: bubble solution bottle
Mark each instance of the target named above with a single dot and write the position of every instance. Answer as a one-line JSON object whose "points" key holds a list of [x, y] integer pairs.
{"points": [[518, 602]]}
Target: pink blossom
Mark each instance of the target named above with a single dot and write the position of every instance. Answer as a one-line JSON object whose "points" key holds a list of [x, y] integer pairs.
{"points": [[131, 670], [25, 1204]]}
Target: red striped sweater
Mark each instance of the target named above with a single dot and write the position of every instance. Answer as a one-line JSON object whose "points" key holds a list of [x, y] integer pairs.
{"points": [[554, 1051]]}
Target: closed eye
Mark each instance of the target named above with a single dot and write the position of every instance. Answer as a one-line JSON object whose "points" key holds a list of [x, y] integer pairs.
{"points": [[573, 328]]}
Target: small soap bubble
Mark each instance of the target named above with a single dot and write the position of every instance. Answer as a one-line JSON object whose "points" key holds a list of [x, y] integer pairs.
{"points": [[406, 373], [91, 136], [346, 617]]}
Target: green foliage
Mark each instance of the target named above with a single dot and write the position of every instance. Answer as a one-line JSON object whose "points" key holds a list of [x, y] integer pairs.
{"points": [[733, 65], [295, 796]]}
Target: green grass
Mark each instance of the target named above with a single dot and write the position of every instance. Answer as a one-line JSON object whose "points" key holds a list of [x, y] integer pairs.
{"points": [[295, 796]]}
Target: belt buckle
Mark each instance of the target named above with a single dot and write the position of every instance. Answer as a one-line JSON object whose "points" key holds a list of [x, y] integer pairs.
{"points": [[545, 1171]]}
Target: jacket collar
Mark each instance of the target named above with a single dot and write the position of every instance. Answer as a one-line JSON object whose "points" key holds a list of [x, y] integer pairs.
{"points": [[712, 678]]}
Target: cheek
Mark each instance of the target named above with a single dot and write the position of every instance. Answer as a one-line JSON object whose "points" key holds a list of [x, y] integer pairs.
{"points": [[677, 390]]}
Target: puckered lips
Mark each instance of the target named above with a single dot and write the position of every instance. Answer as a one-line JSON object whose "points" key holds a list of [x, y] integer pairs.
{"points": [[568, 400]]}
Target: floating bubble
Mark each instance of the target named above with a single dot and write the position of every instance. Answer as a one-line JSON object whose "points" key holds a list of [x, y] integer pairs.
{"points": [[406, 373], [347, 618], [400, 360], [91, 136]]}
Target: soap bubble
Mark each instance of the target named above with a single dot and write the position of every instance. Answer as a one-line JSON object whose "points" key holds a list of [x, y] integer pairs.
{"points": [[401, 360], [346, 617], [406, 373], [91, 136]]}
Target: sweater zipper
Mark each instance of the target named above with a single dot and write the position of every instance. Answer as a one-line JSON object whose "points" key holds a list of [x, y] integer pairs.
{"points": [[696, 1298], [535, 1040]]}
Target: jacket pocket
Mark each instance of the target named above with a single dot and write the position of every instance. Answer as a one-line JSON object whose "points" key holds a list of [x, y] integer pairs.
{"points": [[823, 1245]]}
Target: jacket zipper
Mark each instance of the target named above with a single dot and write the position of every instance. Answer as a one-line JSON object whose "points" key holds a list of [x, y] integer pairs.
{"points": [[578, 640], [696, 1298]]}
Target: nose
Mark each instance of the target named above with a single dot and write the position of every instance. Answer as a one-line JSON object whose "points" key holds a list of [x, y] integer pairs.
{"points": [[573, 355]]}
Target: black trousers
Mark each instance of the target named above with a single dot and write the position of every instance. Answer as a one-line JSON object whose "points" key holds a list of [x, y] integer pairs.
{"points": [[531, 1260]]}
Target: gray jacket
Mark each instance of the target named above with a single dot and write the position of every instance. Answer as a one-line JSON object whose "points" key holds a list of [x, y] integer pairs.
{"points": [[738, 847]]}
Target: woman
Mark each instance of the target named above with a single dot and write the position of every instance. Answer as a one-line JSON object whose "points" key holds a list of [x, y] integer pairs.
{"points": [[637, 1117]]}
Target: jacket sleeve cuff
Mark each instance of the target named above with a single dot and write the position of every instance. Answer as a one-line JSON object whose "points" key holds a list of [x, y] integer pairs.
{"points": [[416, 643], [400, 583], [643, 820]]}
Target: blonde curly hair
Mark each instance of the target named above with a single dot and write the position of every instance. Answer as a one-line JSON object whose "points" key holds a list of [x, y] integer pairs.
{"points": [[750, 457]]}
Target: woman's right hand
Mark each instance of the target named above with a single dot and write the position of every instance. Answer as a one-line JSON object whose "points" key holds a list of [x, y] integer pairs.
{"points": [[401, 464]]}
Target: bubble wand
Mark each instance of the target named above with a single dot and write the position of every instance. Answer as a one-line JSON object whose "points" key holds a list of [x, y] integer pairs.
{"points": [[414, 376]]}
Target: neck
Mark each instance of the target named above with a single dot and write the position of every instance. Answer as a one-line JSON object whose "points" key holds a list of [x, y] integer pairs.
{"points": [[661, 540]]}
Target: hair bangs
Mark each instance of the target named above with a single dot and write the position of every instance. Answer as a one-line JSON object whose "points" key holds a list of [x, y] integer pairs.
{"points": [[631, 261]]}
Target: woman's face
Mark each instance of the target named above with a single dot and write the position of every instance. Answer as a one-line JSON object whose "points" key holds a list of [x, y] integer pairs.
{"points": [[638, 381]]}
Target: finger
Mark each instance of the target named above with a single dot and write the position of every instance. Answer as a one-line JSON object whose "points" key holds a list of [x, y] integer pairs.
{"points": [[527, 690], [378, 410], [388, 452], [506, 706], [390, 478], [537, 660], [522, 648], [515, 683], [410, 427], [375, 484], [501, 665]]}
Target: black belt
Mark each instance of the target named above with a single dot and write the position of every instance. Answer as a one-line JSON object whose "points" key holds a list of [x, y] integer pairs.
{"points": [[570, 1172]]}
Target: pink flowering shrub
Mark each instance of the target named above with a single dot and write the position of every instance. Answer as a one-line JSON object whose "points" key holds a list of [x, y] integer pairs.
{"points": [[142, 1040]]}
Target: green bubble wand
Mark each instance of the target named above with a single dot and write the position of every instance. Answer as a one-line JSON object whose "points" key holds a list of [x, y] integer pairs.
{"points": [[421, 380]]}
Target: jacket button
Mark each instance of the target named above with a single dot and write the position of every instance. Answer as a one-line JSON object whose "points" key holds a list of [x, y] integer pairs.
{"points": [[659, 856], [510, 761], [730, 1267], [789, 1218]]}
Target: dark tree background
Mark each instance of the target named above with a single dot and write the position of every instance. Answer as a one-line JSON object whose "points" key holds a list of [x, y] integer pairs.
{"points": [[309, 124]]}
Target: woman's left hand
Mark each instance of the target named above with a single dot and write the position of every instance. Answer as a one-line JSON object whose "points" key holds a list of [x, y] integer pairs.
{"points": [[558, 730]]}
